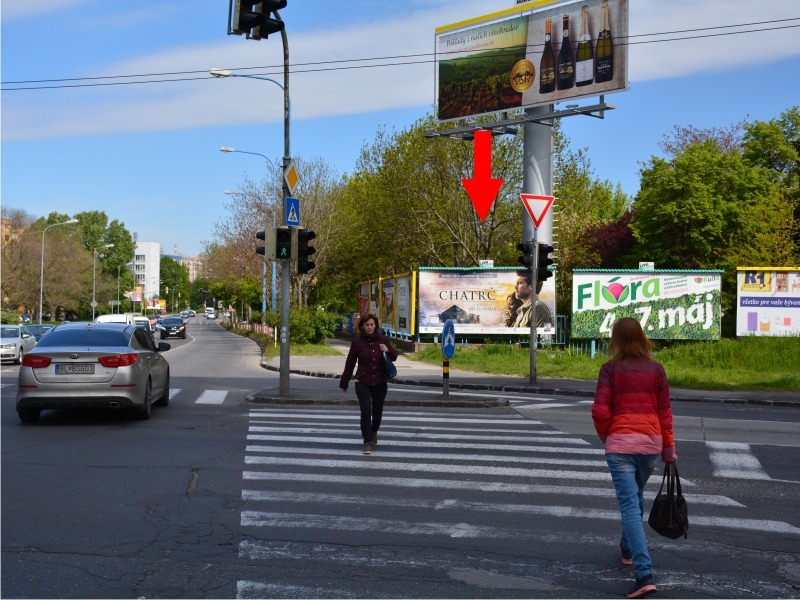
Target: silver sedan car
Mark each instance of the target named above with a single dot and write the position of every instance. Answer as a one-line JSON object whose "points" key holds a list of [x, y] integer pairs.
{"points": [[15, 342], [93, 365]]}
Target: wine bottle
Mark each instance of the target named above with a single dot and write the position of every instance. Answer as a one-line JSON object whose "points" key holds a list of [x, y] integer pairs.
{"points": [[547, 68], [584, 60], [566, 70], [604, 53]]}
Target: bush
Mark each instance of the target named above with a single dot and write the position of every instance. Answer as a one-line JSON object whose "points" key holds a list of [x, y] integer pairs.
{"points": [[307, 325], [9, 317]]}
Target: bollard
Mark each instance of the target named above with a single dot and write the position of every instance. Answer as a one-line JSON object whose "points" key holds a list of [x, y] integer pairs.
{"points": [[593, 348], [446, 378]]}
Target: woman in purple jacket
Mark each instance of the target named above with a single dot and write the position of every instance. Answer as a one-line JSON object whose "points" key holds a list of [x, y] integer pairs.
{"points": [[371, 387]]}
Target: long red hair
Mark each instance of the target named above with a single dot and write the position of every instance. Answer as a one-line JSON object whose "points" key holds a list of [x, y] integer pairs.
{"points": [[629, 341]]}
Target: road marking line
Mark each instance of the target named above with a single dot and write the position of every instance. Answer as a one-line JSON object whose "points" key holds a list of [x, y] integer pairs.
{"points": [[369, 465], [535, 406], [444, 436], [256, 589], [174, 392], [5, 385], [736, 461], [433, 456], [480, 486], [386, 443], [416, 427], [485, 394], [393, 418], [212, 397]]}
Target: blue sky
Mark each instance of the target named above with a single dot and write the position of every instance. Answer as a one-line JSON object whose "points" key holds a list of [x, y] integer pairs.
{"points": [[149, 154]]}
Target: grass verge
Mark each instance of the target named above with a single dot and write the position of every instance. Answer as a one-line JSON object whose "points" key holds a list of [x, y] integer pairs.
{"points": [[752, 363], [271, 350]]}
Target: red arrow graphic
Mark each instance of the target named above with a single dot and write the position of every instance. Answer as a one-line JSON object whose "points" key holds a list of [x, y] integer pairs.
{"points": [[482, 189]]}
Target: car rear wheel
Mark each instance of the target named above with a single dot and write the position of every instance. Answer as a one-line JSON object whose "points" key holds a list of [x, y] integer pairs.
{"points": [[164, 400], [29, 415], [145, 412], [18, 361]]}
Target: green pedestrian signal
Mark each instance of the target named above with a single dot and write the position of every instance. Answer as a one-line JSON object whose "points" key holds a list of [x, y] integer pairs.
{"points": [[283, 243]]}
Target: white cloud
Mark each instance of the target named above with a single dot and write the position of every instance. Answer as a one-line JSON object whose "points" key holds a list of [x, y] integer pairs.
{"points": [[155, 107], [16, 9]]}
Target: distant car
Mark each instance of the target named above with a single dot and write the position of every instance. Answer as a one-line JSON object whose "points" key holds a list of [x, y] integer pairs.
{"points": [[126, 318], [211, 315], [93, 365], [15, 342], [191, 313], [144, 323], [38, 331], [173, 326], [185, 314], [153, 319]]}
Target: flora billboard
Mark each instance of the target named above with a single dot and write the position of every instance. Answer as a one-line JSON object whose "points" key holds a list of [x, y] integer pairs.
{"points": [[674, 305]]}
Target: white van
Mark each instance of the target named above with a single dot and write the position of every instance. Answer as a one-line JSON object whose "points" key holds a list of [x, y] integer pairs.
{"points": [[127, 318]]}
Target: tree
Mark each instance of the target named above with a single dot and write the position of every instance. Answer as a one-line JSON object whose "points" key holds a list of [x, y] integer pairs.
{"points": [[174, 286]]}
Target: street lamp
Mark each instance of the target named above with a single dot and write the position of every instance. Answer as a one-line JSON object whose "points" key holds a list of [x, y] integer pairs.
{"points": [[94, 275], [274, 218], [41, 279]]}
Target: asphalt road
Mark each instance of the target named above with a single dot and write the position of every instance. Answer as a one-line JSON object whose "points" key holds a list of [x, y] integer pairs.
{"points": [[213, 497]]}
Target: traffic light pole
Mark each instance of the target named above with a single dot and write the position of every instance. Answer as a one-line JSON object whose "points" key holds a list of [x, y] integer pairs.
{"points": [[286, 275], [534, 299]]}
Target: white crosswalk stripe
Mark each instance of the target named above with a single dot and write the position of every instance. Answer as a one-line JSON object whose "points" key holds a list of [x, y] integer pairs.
{"points": [[174, 392], [212, 397], [735, 460], [472, 477]]}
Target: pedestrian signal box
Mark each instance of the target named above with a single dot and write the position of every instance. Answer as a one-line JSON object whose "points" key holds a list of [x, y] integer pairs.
{"points": [[277, 243]]}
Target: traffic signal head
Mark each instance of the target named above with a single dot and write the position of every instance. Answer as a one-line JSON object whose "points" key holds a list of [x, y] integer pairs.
{"points": [[527, 254], [544, 261], [253, 20], [283, 243], [304, 236], [261, 235]]}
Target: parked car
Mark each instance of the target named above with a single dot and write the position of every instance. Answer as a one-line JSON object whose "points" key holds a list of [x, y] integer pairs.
{"points": [[15, 342], [38, 331], [173, 326], [93, 365]]}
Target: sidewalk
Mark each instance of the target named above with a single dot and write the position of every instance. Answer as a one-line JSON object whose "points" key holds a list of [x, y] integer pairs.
{"points": [[423, 374]]}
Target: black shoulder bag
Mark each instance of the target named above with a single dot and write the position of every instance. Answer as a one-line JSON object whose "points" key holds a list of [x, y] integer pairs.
{"points": [[670, 515], [388, 366]]}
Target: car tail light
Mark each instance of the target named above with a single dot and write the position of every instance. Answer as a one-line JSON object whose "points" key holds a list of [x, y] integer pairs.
{"points": [[118, 360], [35, 362]]}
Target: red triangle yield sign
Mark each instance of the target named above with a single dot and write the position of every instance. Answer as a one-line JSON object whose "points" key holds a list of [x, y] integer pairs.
{"points": [[537, 206]]}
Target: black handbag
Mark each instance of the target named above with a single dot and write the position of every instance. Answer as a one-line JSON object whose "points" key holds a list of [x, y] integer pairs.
{"points": [[670, 515], [388, 366]]}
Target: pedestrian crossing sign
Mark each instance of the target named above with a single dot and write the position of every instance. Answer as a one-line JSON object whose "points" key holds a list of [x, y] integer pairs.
{"points": [[293, 212], [292, 177]]}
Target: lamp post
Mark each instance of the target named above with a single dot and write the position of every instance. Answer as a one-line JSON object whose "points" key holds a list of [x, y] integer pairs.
{"points": [[94, 274], [41, 279], [274, 222], [285, 266]]}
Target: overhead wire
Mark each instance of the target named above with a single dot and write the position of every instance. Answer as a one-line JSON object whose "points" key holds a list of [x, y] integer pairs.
{"points": [[617, 42]]}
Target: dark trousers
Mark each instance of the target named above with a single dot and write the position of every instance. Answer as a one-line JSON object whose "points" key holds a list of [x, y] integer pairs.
{"points": [[370, 399]]}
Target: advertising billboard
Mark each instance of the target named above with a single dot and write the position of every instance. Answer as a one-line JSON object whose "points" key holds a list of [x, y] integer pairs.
{"points": [[387, 303], [363, 299], [373, 297], [670, 305], [404, 303], [529, 56], [768, 301], [484, 301]]}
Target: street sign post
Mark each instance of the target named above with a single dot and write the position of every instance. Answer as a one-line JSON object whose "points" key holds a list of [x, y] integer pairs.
{"points": [[448, 351], [292, 212], [291, 177], [537, 207]]}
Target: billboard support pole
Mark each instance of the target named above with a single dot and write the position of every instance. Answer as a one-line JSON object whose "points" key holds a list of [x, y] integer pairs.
{"points": [[537, 178]]}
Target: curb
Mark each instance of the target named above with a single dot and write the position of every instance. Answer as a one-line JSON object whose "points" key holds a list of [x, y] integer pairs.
{"points": [[519, 389], [389, 402]]}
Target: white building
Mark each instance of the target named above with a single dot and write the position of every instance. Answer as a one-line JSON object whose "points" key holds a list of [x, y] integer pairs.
{"points": [[146, 268]]}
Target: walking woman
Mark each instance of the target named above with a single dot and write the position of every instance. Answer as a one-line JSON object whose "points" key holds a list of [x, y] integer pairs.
{"points": [[368, 348], [633, 418]]}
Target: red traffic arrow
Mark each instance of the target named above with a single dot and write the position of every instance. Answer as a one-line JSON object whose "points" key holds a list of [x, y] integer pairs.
{"points": [[537, 206], [482, 189]]}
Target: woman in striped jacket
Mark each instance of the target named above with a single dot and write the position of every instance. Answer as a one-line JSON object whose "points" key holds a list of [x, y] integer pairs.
{"points": [[633, 418]]}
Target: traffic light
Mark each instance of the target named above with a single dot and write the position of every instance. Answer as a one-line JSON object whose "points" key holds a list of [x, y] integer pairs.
{"points": [[253, 20], [544, 261], [527, 254], [283, 243], [262, 250], [304, 251]]}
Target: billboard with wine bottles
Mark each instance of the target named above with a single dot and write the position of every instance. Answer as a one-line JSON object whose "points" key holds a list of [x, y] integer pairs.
{"points": [[524, 57]]}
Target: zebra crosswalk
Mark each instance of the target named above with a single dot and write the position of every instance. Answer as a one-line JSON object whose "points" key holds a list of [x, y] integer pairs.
{"points": [[434, 478]]}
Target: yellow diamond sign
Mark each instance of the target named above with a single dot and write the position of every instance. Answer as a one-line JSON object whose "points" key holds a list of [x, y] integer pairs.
{"points": [[292, 177]]}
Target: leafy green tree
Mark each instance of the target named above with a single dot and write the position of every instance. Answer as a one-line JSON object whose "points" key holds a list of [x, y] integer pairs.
{"points": [[174, 286]]}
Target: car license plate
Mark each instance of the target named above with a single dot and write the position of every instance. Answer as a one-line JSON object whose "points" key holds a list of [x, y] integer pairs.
{"points": [[75, 369]]}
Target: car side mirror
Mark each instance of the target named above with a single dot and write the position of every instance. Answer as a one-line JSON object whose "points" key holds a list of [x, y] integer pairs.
{"points": [[163, 346], [25, 336]]}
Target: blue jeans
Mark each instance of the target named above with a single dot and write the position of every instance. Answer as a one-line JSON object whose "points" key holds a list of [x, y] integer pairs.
{"points": [[630, 473]]}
